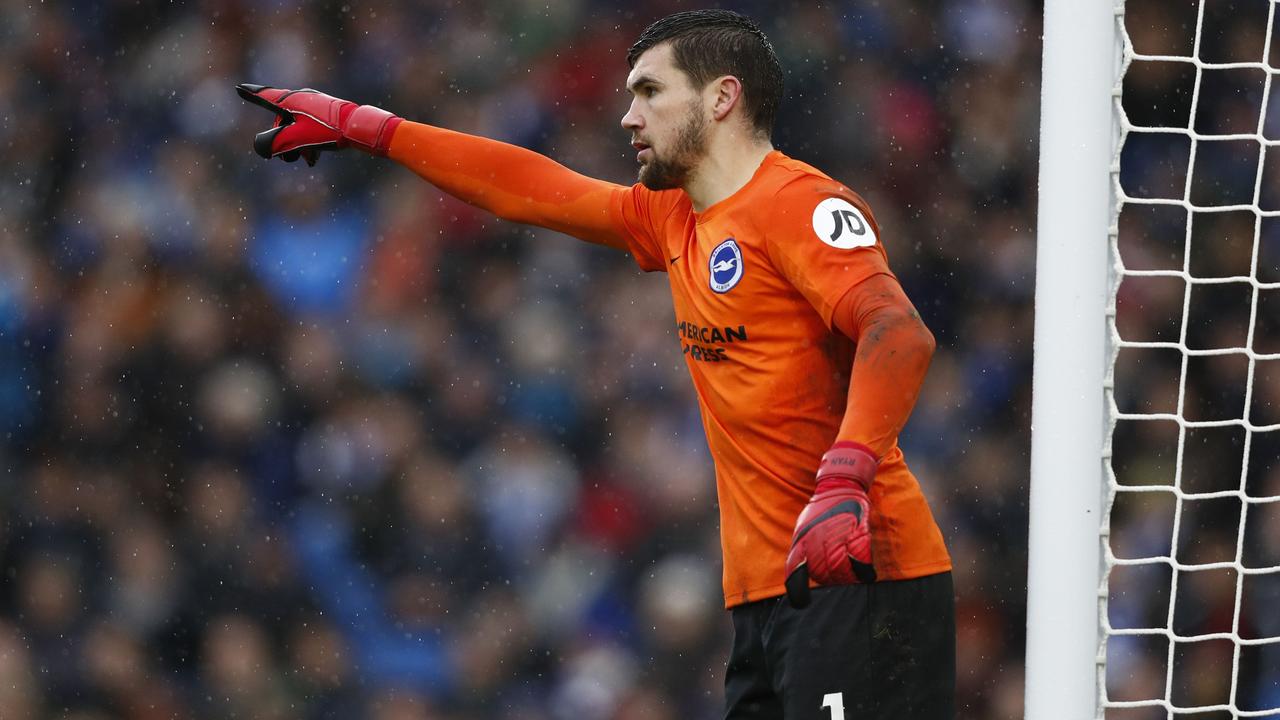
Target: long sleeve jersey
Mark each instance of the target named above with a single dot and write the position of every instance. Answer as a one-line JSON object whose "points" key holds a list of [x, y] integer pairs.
{"points": [[755, 281]]}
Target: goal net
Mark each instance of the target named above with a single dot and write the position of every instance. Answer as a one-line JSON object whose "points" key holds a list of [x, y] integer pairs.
{"points": [[1191, 520], [1185, 546]]}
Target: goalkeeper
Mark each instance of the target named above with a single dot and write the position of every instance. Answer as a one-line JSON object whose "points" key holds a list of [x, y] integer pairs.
{"points": [[806, 355]]}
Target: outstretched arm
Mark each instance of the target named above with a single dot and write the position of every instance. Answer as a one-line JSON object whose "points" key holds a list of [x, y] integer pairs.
{"points": [[513, 183], [509, 181]]}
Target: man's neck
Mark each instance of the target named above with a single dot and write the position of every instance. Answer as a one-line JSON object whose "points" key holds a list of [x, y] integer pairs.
{"points": [[730, 163]]}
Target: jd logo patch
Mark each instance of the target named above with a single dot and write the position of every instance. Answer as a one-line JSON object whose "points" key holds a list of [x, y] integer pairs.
{"points": [[725, 265], [839, 224]]}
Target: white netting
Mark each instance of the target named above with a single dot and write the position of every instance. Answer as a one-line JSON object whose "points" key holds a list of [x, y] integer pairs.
{"points": [[1190, 599]]}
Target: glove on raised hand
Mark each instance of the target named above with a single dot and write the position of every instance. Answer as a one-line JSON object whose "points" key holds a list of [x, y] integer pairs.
{"points": [[832, 540], [308, 121]]}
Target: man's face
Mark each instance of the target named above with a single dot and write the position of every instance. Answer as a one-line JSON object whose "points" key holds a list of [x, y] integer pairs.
{"points": [[666, 120]]}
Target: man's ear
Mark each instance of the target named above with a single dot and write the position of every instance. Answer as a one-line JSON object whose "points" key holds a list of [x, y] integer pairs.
{"points": [[728, 94]]}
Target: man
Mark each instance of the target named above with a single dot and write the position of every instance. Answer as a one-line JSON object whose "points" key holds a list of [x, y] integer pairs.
{"points": [[806, 355]]}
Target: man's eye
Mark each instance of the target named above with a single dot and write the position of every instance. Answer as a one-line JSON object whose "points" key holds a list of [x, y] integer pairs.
{"points": [[650, 91]]}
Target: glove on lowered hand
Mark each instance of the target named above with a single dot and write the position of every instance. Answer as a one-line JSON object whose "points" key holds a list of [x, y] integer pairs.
{"points": [[832, 540]]}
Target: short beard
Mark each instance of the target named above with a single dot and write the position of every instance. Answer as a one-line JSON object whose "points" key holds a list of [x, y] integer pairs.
{"points": [[689, 147]]}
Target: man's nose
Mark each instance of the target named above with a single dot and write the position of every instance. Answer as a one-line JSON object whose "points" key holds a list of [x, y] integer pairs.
{"points": [[632, 120]]}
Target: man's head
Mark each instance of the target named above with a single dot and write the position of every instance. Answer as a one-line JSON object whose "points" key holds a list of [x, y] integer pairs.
{"points": [[688, 70]]}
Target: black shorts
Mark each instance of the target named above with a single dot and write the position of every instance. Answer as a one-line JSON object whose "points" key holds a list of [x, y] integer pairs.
{"points": [[881, 651]]}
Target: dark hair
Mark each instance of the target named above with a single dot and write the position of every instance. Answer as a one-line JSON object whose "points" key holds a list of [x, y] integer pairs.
{"points": [[707, 44]]}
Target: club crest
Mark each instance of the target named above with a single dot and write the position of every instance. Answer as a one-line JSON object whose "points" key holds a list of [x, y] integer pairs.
{"points": [[725, 264]]}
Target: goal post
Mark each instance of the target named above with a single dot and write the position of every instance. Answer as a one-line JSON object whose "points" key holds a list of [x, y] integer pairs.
{"points": [[1068, 415]]}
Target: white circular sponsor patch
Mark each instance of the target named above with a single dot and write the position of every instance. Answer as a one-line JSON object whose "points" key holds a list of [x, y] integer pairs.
{"points": [[841, 225]]}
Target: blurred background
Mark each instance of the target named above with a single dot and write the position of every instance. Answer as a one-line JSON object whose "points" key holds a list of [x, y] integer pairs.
{"points": [[289, 443]]}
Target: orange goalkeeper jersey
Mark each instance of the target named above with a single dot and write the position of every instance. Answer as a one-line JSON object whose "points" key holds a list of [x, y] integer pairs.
{"points": [[755, 279]]}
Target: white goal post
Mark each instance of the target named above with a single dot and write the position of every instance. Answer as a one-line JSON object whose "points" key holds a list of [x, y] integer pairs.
{"points": [[1067, 413], [1151, 392]]}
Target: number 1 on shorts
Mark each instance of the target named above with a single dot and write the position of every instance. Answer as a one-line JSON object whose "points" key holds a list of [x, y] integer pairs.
{"points": [[835, 701]]}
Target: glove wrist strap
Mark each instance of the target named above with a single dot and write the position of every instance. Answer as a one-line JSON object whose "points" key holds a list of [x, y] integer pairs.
{"points": [[370, 129], [849, 460]]}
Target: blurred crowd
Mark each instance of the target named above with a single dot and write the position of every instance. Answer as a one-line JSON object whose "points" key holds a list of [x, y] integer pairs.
{"points": [[293, 443]]}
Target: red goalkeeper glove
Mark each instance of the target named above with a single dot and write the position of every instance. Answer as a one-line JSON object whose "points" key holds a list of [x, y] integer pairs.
{"points": [[832, 540], [308, 121]]}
